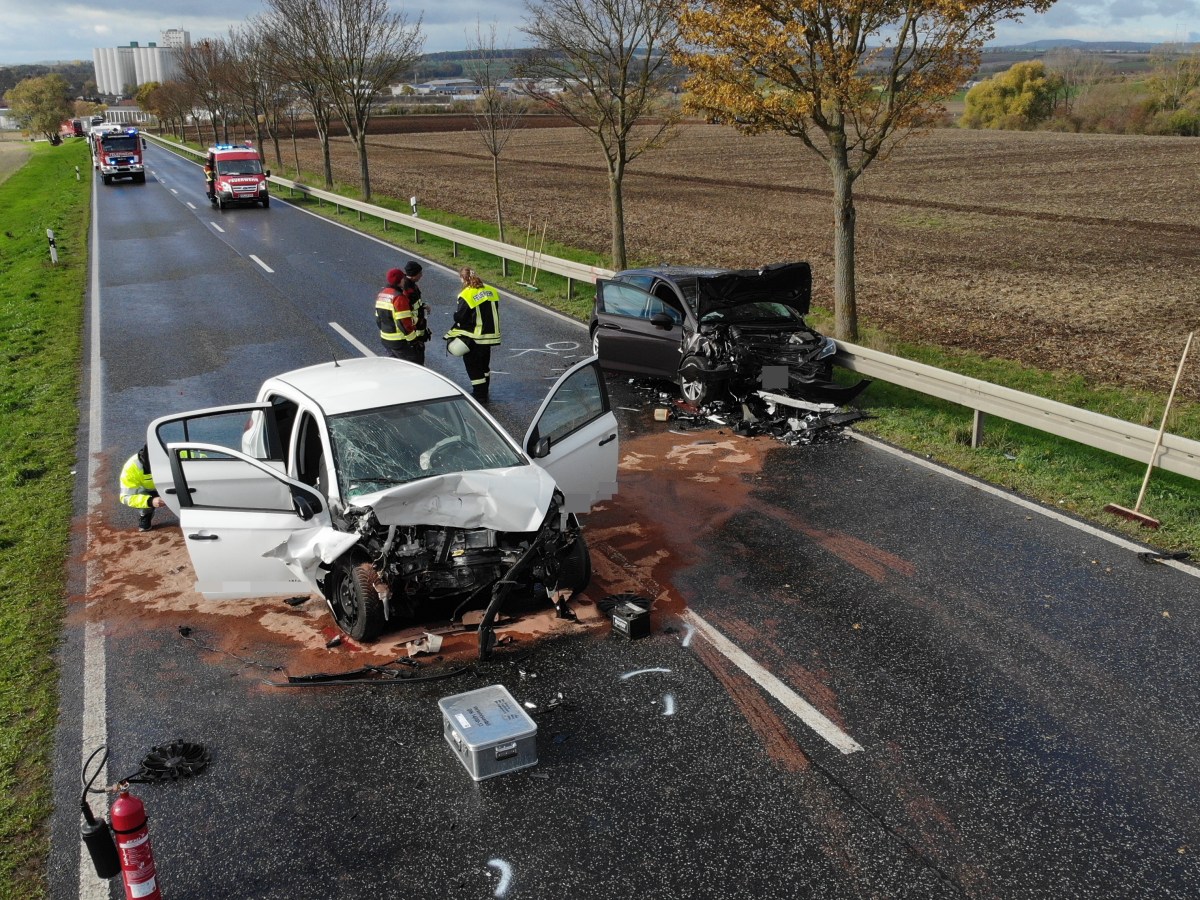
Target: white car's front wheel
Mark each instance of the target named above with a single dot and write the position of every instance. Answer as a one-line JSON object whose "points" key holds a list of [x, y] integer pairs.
{"points": [[355, 603]]}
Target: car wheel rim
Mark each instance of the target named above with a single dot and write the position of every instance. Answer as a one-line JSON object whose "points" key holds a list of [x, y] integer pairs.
{"points": [[347, 601], [692, 391], [596, 344]]}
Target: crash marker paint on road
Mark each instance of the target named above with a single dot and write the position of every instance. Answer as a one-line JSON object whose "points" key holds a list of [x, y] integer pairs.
{"points": [[505, 871], [218, 227], [261, 263], [689, 630], [668, 702], [354, 342], [629, 675], [805, 711]]}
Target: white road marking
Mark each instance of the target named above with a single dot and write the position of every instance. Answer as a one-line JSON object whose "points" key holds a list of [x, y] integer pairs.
{"points": [[94, 724], [505, 871], [190, 204], [261, 263], [668, 702], [218, 227], [355, 342], [805, 711], [689, 631], [172, 190], [1026, 504]]}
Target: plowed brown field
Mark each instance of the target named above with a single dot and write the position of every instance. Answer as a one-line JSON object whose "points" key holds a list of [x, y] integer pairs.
{"points": [[1079, 253]]}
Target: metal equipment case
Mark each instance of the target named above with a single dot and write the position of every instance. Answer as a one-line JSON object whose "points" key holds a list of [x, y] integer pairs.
{"points": [[489, 732]]}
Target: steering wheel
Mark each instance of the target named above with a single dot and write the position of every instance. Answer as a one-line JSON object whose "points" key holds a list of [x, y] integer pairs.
{"points": [[428, 456]]}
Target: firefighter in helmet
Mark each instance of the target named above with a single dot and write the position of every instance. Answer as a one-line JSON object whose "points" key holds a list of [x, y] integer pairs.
{"points": [[477, 326]]}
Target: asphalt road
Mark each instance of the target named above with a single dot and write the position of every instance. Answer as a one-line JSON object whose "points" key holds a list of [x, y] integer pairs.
{"points": [[1018, 695]]}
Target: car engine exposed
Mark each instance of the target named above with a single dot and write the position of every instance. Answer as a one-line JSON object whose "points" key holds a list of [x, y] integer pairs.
{"points": [[422, 570], [738, 353]]}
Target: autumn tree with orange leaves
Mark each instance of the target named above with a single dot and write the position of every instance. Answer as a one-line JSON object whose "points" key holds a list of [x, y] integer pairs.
{"points": [[849, 79]]}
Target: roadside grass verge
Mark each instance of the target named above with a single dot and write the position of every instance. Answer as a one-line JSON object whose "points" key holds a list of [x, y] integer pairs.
{"points": [[41, 322]]}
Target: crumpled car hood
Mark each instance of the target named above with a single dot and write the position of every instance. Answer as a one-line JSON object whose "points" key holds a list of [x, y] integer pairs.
{"points": [[787, 283], [511, 500], [515, 499]]}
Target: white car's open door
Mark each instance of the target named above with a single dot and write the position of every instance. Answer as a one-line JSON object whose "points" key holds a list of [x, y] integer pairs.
{"points": [[248, 427], [251, 531], [574, 437]]}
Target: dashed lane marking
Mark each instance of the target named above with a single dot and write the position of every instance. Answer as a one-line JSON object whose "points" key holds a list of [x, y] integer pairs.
{"points": [[263, 264]]}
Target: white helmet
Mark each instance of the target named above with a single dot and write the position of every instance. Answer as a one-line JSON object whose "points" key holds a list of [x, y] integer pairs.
{"points": [[458, 347]]}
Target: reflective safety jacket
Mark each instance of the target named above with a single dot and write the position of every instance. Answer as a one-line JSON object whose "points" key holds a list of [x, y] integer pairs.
{"points": [[137, 484], [400, 313], [477, 316]]}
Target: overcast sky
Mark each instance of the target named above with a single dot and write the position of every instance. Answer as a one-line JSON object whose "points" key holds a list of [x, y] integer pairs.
{"points": [[44, 30]]}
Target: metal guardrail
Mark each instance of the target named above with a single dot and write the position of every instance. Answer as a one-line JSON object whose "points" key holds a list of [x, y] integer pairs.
{"points": [[1176, 454]]}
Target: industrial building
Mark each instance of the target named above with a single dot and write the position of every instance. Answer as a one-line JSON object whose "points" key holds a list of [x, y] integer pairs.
{"points": [[122, 68]]}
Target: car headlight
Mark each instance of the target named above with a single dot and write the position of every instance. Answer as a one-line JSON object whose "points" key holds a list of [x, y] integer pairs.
{"points": [[828, 348]]}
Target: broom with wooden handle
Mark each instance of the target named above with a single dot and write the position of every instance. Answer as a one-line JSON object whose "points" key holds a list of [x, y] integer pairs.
{"points": [[1136, 514]]}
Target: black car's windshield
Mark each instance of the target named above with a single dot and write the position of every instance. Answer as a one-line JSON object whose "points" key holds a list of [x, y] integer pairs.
{"points": [[239, 167], [381, 448], [761, 311]]}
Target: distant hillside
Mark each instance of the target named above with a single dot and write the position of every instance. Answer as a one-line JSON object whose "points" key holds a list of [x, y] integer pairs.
{"points": [[1087, 46]]}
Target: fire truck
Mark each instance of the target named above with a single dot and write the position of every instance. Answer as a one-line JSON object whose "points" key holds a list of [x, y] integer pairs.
{"points": [[117, 153], [238, 176]]}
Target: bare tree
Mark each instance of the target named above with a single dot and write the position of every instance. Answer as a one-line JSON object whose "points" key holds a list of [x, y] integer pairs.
{"points": [[611, 59], [203, 66], [290, 58], [355, 50], [497, 112]]}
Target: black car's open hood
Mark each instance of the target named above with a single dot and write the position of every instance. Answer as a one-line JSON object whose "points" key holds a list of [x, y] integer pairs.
{"points": [[789, 283]]}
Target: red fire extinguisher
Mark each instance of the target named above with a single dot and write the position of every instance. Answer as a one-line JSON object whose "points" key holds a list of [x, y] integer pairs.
{"points": [[128, 818]]}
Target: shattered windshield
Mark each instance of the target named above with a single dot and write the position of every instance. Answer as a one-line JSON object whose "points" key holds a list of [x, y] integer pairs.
{"points": [[761, 311], [381, 448]]}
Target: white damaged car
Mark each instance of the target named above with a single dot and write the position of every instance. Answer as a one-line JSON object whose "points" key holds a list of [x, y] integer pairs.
{"points": [[385, 487]]}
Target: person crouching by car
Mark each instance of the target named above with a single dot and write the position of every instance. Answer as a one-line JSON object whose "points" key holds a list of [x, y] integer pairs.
{"points": [[137, 488], [400, 313], [477, 325]]}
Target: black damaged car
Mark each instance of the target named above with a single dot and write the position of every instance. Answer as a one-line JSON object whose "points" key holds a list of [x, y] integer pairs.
{"points": [[717, 333]]}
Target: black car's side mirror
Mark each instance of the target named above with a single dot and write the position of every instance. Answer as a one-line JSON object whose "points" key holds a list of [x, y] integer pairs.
{"points": [[539, 448], [268, 173], [663, 321]]}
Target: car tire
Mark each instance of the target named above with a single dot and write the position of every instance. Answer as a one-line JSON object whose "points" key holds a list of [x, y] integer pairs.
{"points": [[356, 606], [139, 178], [107, 179], [220, 203], [266, 201], [596, 342], [698, 392]]}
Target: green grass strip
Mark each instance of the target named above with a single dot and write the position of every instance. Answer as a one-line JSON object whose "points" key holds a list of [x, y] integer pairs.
{"points": [[40, 341]]}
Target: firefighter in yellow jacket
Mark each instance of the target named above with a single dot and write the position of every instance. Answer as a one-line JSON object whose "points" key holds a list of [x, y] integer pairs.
{"points": [[137, 488], [477, 326]]}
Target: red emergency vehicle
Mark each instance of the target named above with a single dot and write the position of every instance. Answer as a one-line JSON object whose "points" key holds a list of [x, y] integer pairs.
{"points": [[117, 153], [238, 175]]}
